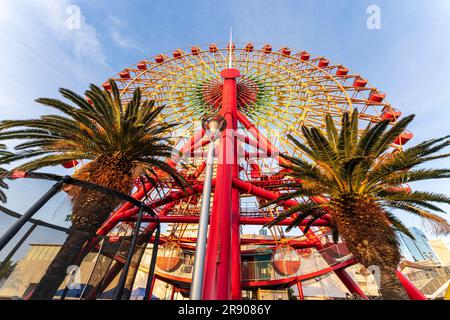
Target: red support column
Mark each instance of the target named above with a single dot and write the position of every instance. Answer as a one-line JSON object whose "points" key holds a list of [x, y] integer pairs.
{"points": [[351, 285], [152, 286], [411, 290], [300, 291], [236, 290], [217, 281]]}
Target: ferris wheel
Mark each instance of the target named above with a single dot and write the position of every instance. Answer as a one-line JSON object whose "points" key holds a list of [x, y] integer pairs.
{"points": [[277, 91]]}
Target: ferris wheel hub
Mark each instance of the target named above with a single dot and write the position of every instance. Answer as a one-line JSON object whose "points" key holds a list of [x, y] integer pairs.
{"points": [[230, 73]]}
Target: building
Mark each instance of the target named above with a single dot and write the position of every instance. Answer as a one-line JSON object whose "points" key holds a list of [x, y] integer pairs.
{"points": [[29, 270], [441, 250], [174, 271], [257, 266], [418, 247], [432, 279]]}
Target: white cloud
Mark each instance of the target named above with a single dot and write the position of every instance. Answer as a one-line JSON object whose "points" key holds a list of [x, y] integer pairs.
{"points": [[124, 42], [119, 38], [84, 40], [39, 53]]}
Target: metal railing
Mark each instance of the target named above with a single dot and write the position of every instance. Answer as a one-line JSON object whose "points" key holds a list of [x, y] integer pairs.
{"points": [[263, 270]]}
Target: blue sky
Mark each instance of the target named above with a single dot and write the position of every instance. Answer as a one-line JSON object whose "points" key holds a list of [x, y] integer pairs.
{"points": [[407, 58]]}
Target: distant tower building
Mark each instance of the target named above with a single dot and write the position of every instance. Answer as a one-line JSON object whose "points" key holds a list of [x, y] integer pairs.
{"points": [[263, 232], [419, 248]]}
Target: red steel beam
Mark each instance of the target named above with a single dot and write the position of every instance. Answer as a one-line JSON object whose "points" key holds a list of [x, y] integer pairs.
{"points": [[139, 194], [411, 290], [217, 279], [242, 220], [348, 281], [171, 197]]}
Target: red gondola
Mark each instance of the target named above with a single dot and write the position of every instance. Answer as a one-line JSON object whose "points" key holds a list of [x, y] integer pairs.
{"points": [[376, 96], [359, 82], [341, 71], [267, 48], [404, 137], [255, 171], [249, 47], [390, 114], [213, 48], [125, 74], [323, 63], [195, 50], [285, 260], [159, 59], [286, 51], [177, 54], [142, 65], [305, 56], [107, 86], [70, 164], [169, 257], [404, 188]]}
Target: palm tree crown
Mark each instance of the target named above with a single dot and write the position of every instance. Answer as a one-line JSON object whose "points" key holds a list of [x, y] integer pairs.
{"points": [[362, 182], [99, 127], [346, 164], [3, 172]]}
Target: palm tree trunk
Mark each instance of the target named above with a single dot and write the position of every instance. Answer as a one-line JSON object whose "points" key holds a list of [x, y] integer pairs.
{"points": [[57, 271], [90, 209], [372, 241], [390, 286]]}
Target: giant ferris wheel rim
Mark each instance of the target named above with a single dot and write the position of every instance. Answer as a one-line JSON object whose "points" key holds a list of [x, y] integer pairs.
{"points": [[319, 88]]}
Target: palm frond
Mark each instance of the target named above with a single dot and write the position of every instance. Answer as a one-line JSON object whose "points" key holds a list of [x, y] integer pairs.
{"points": [[398, 225], [98, 128], [438, 224]]}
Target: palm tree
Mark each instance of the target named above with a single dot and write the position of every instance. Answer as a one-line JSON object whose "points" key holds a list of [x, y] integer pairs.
{"points": [[363, 183], [122, 142], [3, 172]]}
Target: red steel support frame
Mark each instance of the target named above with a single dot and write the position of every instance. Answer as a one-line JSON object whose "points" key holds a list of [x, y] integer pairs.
{"points": [[217, 281], [222, 265]]}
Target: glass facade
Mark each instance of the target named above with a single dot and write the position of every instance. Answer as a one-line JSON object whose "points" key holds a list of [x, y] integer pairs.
{"points": [[419, 248]]}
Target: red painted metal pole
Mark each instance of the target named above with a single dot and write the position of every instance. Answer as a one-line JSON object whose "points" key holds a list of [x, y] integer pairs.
{"points": [[217, 281], [300, 291], [152, 286], [173, 293], [236, 291], [350, 284], [411, 290]]}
